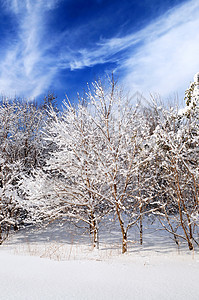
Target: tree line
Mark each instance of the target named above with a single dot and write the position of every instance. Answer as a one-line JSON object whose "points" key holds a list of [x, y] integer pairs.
{"points": [[102, 158]]}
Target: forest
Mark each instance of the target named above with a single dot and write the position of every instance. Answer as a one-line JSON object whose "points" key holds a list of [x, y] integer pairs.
{"points": [[106, 158]]}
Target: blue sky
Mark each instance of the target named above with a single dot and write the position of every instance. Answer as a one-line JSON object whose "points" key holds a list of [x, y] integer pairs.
{"points": [[61, 45]]}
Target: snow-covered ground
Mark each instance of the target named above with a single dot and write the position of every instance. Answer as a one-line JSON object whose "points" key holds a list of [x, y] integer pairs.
{"points": [[38, 266], [128, 277]]}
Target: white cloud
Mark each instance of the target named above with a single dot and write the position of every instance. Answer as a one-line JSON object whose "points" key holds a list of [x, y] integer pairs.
{"points": [[18, 6], [168, 58], [101, 52], [25, 68], [162, 57]]}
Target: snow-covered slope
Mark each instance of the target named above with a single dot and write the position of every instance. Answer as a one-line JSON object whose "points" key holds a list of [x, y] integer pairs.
{"points": [[128, 277]]}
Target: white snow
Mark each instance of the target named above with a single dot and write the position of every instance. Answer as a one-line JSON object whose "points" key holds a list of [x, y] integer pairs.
{"points": [[55, 263], [141, 275]]}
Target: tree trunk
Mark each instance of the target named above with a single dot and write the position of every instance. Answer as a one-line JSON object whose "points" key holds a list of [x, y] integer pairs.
{"points": [[124, 232], [94, 230], [1, 239], [124, 242], [95, 238], [176, 239], [141, 231], [190, 244], [180, 201], [140, 207]]}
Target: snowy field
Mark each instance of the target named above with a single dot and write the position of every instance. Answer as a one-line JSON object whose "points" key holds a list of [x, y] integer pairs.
{"points": [[42, 265]]}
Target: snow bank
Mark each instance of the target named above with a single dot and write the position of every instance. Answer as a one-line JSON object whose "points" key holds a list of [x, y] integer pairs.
{"points": [[127, 277]]}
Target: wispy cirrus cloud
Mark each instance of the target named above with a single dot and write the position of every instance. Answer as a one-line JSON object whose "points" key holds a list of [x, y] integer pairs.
{"points": [[168, 58], [25, 69], [162, 57]]}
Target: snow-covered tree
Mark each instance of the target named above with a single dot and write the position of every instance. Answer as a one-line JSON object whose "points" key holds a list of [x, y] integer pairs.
{"points": [[8, 169], [98, 166], [21, 149], [192, 98], [112, 157], [76, 191], [175, 164], [123, 139]]}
